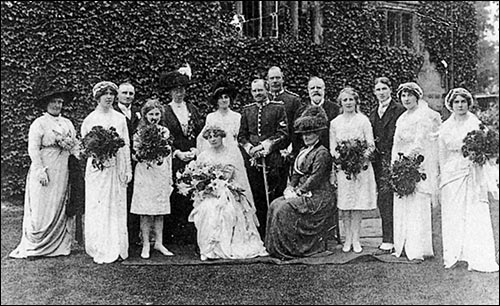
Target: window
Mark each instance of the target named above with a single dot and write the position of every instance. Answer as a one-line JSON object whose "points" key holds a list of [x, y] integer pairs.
{"points": [[261, 18], [398, 29]]}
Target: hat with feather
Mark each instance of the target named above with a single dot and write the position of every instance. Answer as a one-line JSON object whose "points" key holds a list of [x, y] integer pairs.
{"points": [[313, 119], [177, 78]]}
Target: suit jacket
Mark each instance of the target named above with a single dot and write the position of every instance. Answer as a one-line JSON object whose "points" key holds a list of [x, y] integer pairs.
{"points": [[133, 122], [383, 131], [332, 110]]}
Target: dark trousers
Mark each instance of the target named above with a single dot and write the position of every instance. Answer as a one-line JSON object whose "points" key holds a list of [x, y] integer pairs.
{"points": [[133, 220], [385, 202], [276, 179], [176, 227]]}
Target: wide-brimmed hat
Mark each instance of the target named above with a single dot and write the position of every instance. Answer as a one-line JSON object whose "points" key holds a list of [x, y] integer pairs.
{"points": [[222, 87], [313, 119], [176, 78], [45, 90]]}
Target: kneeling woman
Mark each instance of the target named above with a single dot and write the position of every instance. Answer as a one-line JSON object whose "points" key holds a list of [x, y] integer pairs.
{"points": [[297, 220]]}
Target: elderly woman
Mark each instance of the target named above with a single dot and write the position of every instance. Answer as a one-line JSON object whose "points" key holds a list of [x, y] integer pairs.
{"points": [[106, 238], [416, 134], [465, 210], [51, 140], [297, 221], [185, 123]]}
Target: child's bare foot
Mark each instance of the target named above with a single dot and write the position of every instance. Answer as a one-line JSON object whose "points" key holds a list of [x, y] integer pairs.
{"points": [[163, 250]]}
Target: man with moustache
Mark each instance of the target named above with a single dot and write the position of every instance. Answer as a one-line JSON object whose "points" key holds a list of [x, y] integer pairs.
{"points": [[125, 106], [290, 100], [316, 89], [263, 133]]}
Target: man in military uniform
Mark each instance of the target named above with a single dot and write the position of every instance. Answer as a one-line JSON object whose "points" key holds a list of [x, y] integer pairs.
{"points": [[263, 133], [291, 101], [125, 106], [316, 89]]}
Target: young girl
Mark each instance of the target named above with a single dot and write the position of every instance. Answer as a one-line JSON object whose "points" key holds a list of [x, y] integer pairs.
{"points": [[359, 193], [153, 183]]}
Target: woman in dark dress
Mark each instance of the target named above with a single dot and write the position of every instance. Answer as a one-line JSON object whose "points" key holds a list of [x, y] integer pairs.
{"points": [[297, 221], [185, 123]]}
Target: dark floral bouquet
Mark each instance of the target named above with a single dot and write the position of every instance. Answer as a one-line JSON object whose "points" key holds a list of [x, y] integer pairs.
{"points": [[101, 144], [352, 157], [205, 179], [404, 174], [480, 145], [153, 145]]}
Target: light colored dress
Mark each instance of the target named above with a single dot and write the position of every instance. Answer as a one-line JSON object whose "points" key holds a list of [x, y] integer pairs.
{"points": [[46, 229], [106, 236], [152, 185], [230, 122], [465, 210], [416, 133], [359, 193], [226, 227]]}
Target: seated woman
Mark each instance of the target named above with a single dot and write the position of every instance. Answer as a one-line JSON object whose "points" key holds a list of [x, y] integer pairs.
{"points": [[297, 220], [226, 222]]}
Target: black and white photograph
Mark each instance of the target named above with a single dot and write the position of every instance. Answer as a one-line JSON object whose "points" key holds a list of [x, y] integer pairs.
{"points": [[250, 152]]}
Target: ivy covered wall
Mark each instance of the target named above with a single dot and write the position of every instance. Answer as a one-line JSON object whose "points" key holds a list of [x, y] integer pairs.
{"points": [[83, 42]]}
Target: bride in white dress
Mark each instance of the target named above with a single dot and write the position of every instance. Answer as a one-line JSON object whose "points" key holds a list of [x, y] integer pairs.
{"points": [[226, 224]]}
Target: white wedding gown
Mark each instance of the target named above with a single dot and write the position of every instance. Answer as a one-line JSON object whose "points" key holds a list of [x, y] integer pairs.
{"points": [[226, 225]]}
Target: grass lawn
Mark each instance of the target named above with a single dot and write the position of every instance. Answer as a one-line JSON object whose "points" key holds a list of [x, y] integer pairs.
{"points": [[77, 280]]}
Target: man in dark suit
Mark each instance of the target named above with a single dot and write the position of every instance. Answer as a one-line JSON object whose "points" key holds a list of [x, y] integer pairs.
{"points": [[125, 106], [383, 120], [263, 133], [316, 89]]}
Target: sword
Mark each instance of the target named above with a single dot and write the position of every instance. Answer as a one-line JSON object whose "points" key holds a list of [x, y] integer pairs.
{"points": [[264, 173]]}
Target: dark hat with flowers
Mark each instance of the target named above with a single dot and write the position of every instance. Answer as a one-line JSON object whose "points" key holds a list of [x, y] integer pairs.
{"points": [[176, 78], [222, 87], [313, 119], [46, 88]]}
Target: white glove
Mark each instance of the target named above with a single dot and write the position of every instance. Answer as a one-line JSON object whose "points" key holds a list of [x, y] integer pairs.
{"points": [[43, 177]]}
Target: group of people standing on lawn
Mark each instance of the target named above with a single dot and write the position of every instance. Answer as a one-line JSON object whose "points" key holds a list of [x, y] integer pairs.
{"points": [[281, 151]]}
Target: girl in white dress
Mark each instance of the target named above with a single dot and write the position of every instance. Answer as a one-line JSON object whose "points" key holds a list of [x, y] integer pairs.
{"points": [[465, 208], [106, 237], [416, 133], [358, 193], [153, 184]]}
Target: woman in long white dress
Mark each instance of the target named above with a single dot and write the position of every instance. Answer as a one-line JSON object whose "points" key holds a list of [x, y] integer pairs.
{"points": [[465, 210], [46, 228], [223, 95], [225, 224], [106, 238], [416, 133], [360, 192]]}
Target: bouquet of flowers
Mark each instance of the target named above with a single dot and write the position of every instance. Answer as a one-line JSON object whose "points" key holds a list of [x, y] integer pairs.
{"points": [[66, 141], [352, 157], [153, 145], [101, 144], [405, 174], [205, 179], [479, 145]]}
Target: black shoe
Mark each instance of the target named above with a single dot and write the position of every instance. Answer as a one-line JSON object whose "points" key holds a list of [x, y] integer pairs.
{"points": [[383, 252]]}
